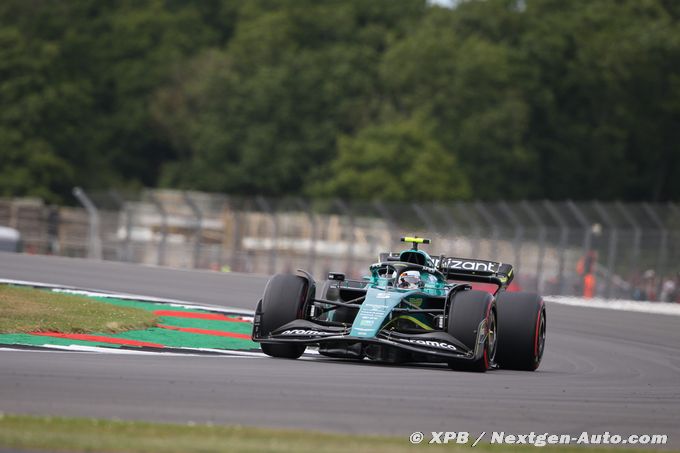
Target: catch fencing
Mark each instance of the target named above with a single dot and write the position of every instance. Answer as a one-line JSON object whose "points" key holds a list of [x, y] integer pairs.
{"points": [[592, 249]]}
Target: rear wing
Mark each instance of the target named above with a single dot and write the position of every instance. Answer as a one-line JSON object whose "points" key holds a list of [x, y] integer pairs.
{"points": [[469, 270]]}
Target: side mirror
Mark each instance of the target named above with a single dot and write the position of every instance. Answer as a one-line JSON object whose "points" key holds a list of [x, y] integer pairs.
{"points": [[337, 276]]}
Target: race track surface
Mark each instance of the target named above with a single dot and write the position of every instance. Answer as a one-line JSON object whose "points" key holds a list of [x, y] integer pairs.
{"points": [[604, 370]]}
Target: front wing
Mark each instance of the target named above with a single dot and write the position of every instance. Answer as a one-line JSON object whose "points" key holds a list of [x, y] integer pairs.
{"points": [[435, 346]]}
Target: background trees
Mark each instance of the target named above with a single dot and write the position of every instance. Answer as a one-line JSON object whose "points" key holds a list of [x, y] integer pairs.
{"points": [[399, 99]]}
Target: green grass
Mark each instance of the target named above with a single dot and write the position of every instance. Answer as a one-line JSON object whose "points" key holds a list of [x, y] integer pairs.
{"points": [[89, 435], [25, 310]]}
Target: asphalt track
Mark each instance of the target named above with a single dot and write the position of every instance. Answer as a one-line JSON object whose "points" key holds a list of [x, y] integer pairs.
{"points": [[604, 370]]}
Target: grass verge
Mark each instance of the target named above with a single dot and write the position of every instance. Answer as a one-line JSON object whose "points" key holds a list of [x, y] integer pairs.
{"points": [[86, 435], [25, 310]]}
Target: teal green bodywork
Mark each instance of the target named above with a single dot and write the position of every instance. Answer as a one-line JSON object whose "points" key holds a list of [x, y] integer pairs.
{"points": [[382, 297]]}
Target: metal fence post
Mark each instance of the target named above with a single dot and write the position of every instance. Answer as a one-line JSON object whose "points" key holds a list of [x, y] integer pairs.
{"points": [[197, 227], [493, 225], [536, 219], [53, 221], [476, 227], [564, 236], [519, 233], [611, 252], [387, 217], [160, 254], [126, 255], [350, 249], [94, 249], [673, 221], [451, 225], [307, 208], [266, 207], [236, 240], [674, 208], [663, 244], [425, 216], [637, 236], [583, 220]]}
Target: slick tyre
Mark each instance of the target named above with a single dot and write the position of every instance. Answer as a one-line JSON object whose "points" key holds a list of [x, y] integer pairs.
{"points": [[283, 351], [467, 310], [522, 330], [284, 300]]}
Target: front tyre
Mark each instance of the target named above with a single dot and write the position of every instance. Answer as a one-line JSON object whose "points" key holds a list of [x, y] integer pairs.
{"points": [[522, 326], [283, 351], [284, 300], [468, 311]]}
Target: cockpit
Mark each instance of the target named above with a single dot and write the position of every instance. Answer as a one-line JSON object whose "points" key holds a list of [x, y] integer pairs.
{"points": [[410, 280]]}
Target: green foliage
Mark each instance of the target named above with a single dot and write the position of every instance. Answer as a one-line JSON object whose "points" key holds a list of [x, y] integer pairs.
{"points": [[607, 71], [75, 83], [471, 93], [493, 99], [260, 115], [396, 161]]}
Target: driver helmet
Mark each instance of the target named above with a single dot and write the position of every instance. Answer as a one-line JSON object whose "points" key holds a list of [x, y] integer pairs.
{"points": [[409, 280]]}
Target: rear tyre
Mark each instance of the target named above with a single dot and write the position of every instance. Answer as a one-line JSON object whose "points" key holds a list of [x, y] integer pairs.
{"points": [[466, 312], [522, 330], [284, 300]]}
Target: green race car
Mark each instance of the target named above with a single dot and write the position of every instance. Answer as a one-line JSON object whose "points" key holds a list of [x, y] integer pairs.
{"points": [[411, 308]]}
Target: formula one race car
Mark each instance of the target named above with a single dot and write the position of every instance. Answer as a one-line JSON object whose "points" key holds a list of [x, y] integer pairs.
{"points": [[411, 308]]}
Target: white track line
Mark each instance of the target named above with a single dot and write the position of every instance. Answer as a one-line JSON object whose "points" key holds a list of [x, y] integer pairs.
{"points": [[79, 348], [664, 308], [234, 352], [96, 350], [128, 296], [170, 302], [104, 350]]}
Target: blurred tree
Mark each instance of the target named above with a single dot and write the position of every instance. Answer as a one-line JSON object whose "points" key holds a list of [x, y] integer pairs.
{"points": [[260, 115], [602, 118], [470, 87], [88, 69], [29, 163], [398, 161], [514, 98]]}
